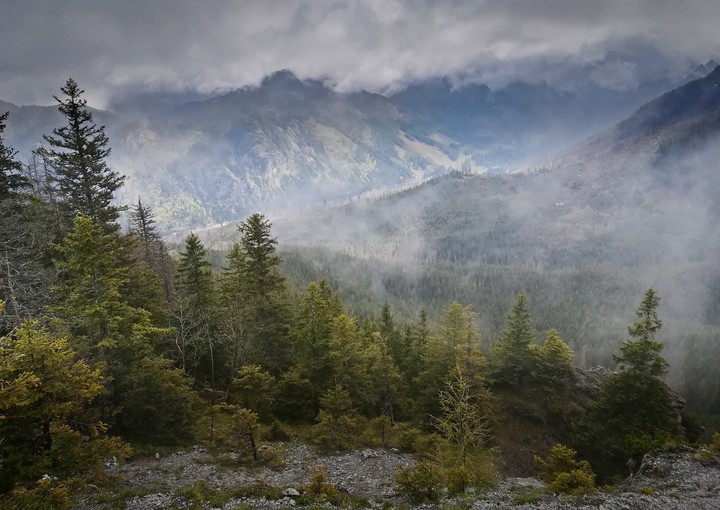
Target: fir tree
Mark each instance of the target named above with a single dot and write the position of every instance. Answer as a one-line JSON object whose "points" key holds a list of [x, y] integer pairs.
{"points": [[194, 311], [266, 298], [511, 360], [77, 153], [634, 411]]}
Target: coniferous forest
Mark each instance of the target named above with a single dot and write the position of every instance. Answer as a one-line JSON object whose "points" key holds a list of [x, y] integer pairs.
{"points": [[115, 344]]}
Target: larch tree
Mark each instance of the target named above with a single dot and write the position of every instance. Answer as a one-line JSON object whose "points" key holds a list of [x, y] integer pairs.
{"points": [[77, 153], [44, 389]]}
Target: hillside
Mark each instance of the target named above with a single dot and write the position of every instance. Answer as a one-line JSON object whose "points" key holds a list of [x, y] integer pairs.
{"points": [[593, 227]]}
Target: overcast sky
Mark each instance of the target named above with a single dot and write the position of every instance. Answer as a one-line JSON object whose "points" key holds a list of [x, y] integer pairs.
{"points": [[114, 46]]}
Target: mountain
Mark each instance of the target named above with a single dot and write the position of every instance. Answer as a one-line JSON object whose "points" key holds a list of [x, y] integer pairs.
{"points": [[584, 234], [289, 144]]}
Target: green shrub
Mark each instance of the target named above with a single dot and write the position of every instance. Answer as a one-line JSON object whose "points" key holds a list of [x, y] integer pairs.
{"points": [[421, 483], [715, 445], [278, 431], [44, 495], [338, 432], [404, 437], [563, 474], [319, 485], [378, 432]]}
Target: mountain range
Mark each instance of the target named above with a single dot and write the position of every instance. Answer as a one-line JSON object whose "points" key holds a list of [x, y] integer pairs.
{"points": [[289, 144]]}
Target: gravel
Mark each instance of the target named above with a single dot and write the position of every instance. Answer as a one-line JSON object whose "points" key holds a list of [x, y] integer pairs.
{"points": [[679, 479]]}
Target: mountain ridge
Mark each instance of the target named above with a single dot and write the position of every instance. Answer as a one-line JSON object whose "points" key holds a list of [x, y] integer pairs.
{"points": [[292, 143]]}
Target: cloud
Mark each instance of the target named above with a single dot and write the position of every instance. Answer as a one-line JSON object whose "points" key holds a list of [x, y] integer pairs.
{"points": [[378, 45]]}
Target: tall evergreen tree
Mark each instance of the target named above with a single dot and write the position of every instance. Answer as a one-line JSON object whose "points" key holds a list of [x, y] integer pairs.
{"points": [[77, 153], [194, 311], [153, 253], [641, 353], [104, 327], [266, 294], [233, 311], [511, 360], [634, 411]]}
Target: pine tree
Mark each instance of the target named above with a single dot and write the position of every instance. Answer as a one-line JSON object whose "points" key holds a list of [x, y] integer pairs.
{"points": [[194, 311], [456, 335], [266, 295], [45, 388], [392, 337], [554, 359], [105, 328], [641, 353], [233, 311], [77, 153], [153, 253], [634, 411], [511, 360]]}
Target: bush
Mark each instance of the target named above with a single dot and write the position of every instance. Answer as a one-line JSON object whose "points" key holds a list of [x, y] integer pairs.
{"points": [[340, 433], [378, 432], [319, 485], [45, 495], [404, 437], [715, 445], [421, 483], [563, 474], [278, 431]]}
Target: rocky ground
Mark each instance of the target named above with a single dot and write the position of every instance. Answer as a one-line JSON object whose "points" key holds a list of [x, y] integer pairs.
{"points": [[681, 478]]}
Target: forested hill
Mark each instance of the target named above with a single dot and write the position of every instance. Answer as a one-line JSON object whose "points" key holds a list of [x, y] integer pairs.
{"points": [[581, 235]]}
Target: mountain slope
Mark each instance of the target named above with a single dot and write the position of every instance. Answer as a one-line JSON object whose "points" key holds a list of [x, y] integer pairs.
{"points": [[583, 237], [289, 144]]}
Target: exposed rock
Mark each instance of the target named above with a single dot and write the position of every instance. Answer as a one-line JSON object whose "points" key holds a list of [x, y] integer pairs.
{"points": [[681, 478]]}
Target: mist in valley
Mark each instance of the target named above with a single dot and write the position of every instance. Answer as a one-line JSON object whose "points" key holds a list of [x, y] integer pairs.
{"points": [[583, 240]]}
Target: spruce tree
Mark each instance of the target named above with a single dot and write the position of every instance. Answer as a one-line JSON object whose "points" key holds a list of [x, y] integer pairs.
{"points": [[152, 253], [103, 326], [266, 295], [77, 153], [634, 411], [194, 311], [511, 359]]}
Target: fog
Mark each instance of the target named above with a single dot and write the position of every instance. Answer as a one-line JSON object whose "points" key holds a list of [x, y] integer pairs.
{"points": [[583, 235]]}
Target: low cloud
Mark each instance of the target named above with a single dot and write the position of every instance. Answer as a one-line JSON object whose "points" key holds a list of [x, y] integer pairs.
{"points": [[380, 45]]}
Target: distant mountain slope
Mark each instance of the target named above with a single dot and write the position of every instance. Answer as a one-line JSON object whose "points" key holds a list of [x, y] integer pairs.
{"points": [[583, 236], [658, 134], [290, 144], [665, 149]]}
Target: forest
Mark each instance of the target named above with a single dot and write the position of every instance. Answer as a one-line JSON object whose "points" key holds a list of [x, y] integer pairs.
{"points": [[114, 342]]}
